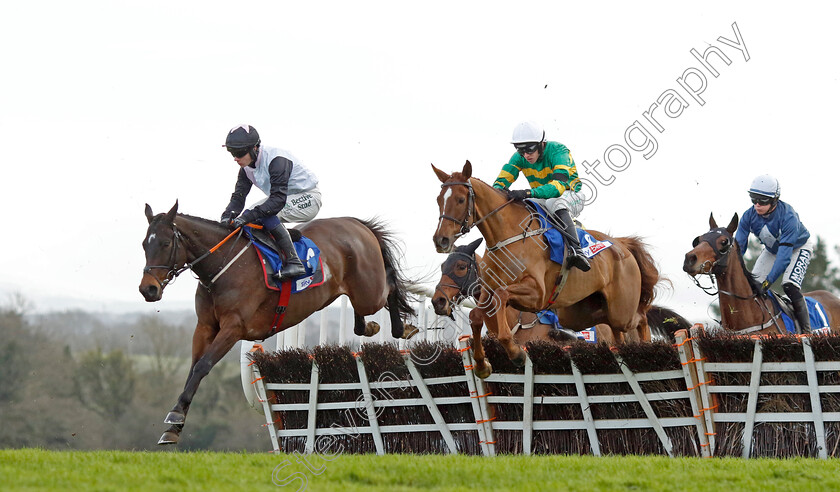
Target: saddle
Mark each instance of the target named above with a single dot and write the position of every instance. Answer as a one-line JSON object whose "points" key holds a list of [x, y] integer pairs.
{"points": [[556, 241], [272, 262], [816, 314]]}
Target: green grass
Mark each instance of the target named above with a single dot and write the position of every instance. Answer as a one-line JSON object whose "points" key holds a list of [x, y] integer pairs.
{"points": [[33, 469]]}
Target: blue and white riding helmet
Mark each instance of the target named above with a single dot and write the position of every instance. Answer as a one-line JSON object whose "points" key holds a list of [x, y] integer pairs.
{"points": [[764, 187]]}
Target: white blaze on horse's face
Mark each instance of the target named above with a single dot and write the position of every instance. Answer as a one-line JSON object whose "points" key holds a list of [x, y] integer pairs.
{"points": [[446, 195], [150, 238]]}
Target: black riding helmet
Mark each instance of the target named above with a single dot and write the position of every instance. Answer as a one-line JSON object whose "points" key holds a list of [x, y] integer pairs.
{"points": [[243, 139]]}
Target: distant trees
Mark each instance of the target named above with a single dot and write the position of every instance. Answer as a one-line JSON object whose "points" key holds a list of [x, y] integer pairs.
{"points": [[104, 383]]}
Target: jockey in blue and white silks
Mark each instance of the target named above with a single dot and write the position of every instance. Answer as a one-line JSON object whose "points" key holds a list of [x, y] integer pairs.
{"points": [[787, 246]]}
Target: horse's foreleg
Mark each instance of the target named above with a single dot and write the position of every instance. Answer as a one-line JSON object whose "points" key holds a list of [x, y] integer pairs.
{"points": [[220, 345], [481, 366], [499, 318]]}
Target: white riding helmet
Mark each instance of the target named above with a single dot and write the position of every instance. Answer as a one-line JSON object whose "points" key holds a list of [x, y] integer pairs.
{"points": [[528, 131], [765, 185]]}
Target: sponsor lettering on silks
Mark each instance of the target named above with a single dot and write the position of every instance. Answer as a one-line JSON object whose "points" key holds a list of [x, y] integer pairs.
{"points": [[800, 266], [303, 201]]}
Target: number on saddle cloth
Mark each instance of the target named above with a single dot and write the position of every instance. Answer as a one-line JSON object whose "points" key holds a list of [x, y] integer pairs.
{"points": [[556, 242], [306, 249]]}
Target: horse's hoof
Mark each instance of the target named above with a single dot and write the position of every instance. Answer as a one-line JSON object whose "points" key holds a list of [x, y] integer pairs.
{"points": [[168, 437], [176, 418], [519, 360], [371, 328], [484, 371], [409, 331]]}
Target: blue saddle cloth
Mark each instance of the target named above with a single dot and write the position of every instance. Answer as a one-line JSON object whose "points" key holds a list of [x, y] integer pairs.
{"points": [[308, 253], [816, 315], [548, 317], [556, 243]]}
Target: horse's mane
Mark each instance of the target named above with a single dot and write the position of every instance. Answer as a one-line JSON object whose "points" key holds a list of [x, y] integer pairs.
{"points": [[754, 285], [201, 219]]}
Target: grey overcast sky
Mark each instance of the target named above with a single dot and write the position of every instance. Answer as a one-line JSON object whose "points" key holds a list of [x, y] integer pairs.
{"points": [[106, 106]]}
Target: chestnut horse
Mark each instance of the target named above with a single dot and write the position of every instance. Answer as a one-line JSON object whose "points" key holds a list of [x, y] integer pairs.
{"points": [[233, 304], [459, 280], [743, 309], [618, 290]]}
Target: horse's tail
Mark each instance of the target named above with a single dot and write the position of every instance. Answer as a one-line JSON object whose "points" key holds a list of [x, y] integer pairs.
{"points": [[666, 322], [397, 280], [647, 267]]}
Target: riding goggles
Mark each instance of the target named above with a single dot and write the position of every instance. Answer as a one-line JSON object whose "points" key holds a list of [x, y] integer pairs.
{"points": [[237, 153], [760, 199], [527, 148]]}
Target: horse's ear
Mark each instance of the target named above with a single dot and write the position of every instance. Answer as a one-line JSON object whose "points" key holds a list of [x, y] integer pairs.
{"points": [[712, 223], [467, 172], [733, 225], [149, 214], [474, 245], [170, 216], [442, 176]]}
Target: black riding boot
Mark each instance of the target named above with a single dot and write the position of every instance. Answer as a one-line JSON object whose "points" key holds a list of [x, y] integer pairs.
{"points": [[575, 258], [292, 267], [800, 310]]}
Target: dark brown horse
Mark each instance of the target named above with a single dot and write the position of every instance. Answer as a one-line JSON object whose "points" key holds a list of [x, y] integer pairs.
{"points": [[232, 302], [459, 280], [743, 309], [618, 290]]}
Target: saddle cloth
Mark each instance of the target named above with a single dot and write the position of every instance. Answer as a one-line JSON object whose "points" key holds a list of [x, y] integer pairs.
{"points": [[547, 317], [556, 243], [271, 262], [816, 314]]}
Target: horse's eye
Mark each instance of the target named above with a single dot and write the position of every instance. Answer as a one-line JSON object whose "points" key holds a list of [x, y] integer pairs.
{"points": [[166, 244], [725, 242], [695, 242], [460, 200]]}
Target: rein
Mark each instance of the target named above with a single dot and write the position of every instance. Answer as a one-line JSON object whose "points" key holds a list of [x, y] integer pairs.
{"points": [[718, 267], [470, 212], [174, 270]]}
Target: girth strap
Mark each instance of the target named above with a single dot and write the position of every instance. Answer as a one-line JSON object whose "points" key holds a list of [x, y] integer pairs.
{"points": [[282, 304]]}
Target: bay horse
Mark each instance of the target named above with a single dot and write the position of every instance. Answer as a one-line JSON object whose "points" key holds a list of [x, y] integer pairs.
{"points": [[232, 302], [518, 272], [743, 310], [459, 281]]}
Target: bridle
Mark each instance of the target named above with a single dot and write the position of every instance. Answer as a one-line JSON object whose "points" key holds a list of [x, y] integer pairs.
{"points": [[469, 213], [462, 284], [718, 267], [173, 268]]}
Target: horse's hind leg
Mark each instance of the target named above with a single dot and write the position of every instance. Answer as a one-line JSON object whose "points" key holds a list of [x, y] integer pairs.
{"points": [[363, 329], [398, 329]]}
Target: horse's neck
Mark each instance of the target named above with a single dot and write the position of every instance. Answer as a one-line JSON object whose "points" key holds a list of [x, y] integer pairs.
{"points": [[503, 224], [198, 237], [742, 311]]}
